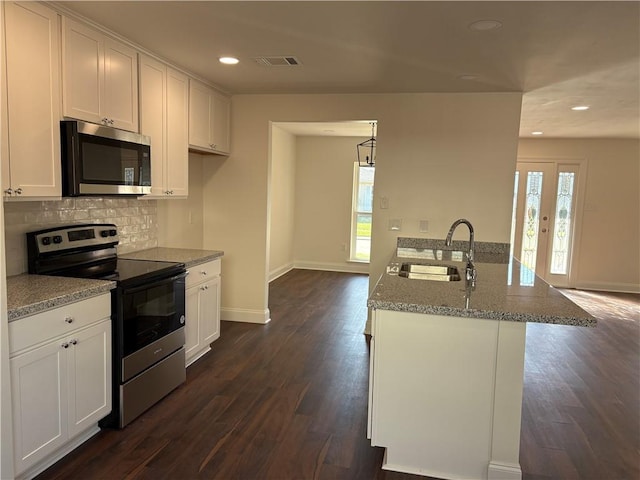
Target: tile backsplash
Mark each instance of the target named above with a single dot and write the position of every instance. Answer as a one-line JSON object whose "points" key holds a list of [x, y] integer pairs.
{"points": [[137, 222]]}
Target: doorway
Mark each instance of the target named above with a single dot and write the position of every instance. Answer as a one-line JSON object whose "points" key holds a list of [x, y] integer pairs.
{"points": [[544, 223]]}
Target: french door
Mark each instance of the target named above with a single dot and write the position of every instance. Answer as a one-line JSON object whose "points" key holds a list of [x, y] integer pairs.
{"points": [[543, 222]]}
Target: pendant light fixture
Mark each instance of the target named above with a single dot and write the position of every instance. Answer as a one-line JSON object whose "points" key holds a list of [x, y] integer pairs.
{"points": [[367, 149]]}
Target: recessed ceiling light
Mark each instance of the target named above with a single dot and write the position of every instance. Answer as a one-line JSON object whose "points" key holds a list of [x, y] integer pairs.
{"points": [[580, 107], [485, 25], [228, 60], [537, 133], [468, 76]]}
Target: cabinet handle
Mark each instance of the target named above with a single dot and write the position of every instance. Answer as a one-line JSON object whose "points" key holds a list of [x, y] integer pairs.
{"points": [[65, 345], [170, 192], [105, 120], [18, 191], [111, 121], [9, 191], [204, 287], [69, 319], [203, 272], [74, 342]]}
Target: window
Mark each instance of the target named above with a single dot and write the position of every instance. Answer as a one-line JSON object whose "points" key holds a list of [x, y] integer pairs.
{"points": [[362, 209]]}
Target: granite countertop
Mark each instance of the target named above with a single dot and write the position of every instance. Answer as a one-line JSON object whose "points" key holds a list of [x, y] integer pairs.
{"points": [[31, 294], [189, 257], [503, 291]]}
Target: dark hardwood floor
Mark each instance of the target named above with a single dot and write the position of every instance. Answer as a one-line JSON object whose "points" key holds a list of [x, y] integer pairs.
{"points": [[289, 400]]}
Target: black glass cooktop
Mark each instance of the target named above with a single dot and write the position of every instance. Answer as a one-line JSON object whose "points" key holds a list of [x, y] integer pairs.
{"points": [[128, 272]]}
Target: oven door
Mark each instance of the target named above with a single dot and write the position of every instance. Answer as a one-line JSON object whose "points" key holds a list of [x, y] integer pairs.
{"points": [[149, 312]]}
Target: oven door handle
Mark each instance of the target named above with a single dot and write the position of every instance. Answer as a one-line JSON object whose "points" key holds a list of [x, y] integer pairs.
{"points": [[161, 281]]}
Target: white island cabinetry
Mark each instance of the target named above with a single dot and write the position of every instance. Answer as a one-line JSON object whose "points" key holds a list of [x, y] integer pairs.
{"points": [[60, 363], [455, 410], [202, 309]]}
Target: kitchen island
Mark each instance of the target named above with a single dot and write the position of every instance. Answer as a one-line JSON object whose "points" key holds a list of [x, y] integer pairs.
{"points": [[447, 360]]}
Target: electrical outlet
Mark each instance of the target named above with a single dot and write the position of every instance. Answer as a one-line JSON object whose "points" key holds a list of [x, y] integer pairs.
{"points": [[395, 224]]}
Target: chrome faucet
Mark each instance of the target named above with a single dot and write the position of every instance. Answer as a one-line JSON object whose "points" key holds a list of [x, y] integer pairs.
{"points": [[471, 268]]}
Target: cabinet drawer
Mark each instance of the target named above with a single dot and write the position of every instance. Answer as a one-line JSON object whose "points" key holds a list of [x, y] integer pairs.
{"points": [[203, 272], [34, 329]]}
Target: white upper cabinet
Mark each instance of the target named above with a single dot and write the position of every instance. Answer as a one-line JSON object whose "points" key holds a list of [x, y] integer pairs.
{"points": [[100, 78], [31, 102], [209, 113], [164, 116]]}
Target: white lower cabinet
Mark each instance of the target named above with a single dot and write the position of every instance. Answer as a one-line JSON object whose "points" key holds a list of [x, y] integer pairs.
{"points": [[202, 309], [61, 386]]}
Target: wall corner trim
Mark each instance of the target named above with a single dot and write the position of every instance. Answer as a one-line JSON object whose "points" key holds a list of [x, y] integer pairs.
{"points": [[245, 315]]}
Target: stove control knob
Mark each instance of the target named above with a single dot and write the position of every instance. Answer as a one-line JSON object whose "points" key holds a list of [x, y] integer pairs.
{"points": [[57, 239], [182, 319], [46, 240], [104, 233], [112, 233]]}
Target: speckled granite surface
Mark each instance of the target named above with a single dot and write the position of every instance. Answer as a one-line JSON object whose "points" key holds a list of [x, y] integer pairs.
{"points": [[503, 291], [31, 294], [189, 257]]}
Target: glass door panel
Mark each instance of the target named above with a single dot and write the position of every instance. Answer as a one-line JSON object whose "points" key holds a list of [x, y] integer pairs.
{"points": [[542, 222]]}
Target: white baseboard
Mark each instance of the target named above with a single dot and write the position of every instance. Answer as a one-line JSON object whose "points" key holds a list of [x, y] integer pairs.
{"points": [[245, 315], [501, 471], [354, 267], [609, 287], [278, 272]]}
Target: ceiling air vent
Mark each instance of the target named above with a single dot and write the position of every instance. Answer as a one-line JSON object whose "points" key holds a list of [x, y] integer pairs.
{"points": [[278, 61]]}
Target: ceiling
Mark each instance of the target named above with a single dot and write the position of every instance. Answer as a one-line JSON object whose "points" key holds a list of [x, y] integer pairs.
{"points": [[560, 54]]}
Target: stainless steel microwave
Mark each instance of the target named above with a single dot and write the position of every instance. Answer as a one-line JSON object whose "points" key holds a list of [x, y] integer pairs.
{"points": [[100, 160]]}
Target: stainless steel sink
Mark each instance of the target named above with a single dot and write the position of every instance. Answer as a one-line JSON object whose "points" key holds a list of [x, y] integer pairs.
{"points": [[421, 271]]}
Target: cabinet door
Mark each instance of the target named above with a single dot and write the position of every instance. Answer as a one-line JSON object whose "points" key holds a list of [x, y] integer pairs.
{"points": [[39, 397], [210, 311], [199, 119], [33, 100], [192, 322], [177, 133], [120, 85], [153, 88], [89, 376], [83, 72], [221, 107]]}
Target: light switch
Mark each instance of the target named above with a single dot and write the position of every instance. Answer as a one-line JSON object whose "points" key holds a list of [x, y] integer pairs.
{"points": [[424, 226], [384, 203]]}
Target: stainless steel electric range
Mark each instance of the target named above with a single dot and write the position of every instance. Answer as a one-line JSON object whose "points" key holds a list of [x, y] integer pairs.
{"points": [[147, 311]]}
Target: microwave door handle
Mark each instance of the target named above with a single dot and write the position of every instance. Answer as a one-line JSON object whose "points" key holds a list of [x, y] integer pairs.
{"points": [[162, 281]]}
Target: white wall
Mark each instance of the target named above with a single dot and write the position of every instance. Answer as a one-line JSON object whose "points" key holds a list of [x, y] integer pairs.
{"points": [[440, 157], [282, 198], [609, 237], [324, 183], [180, 221]]}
